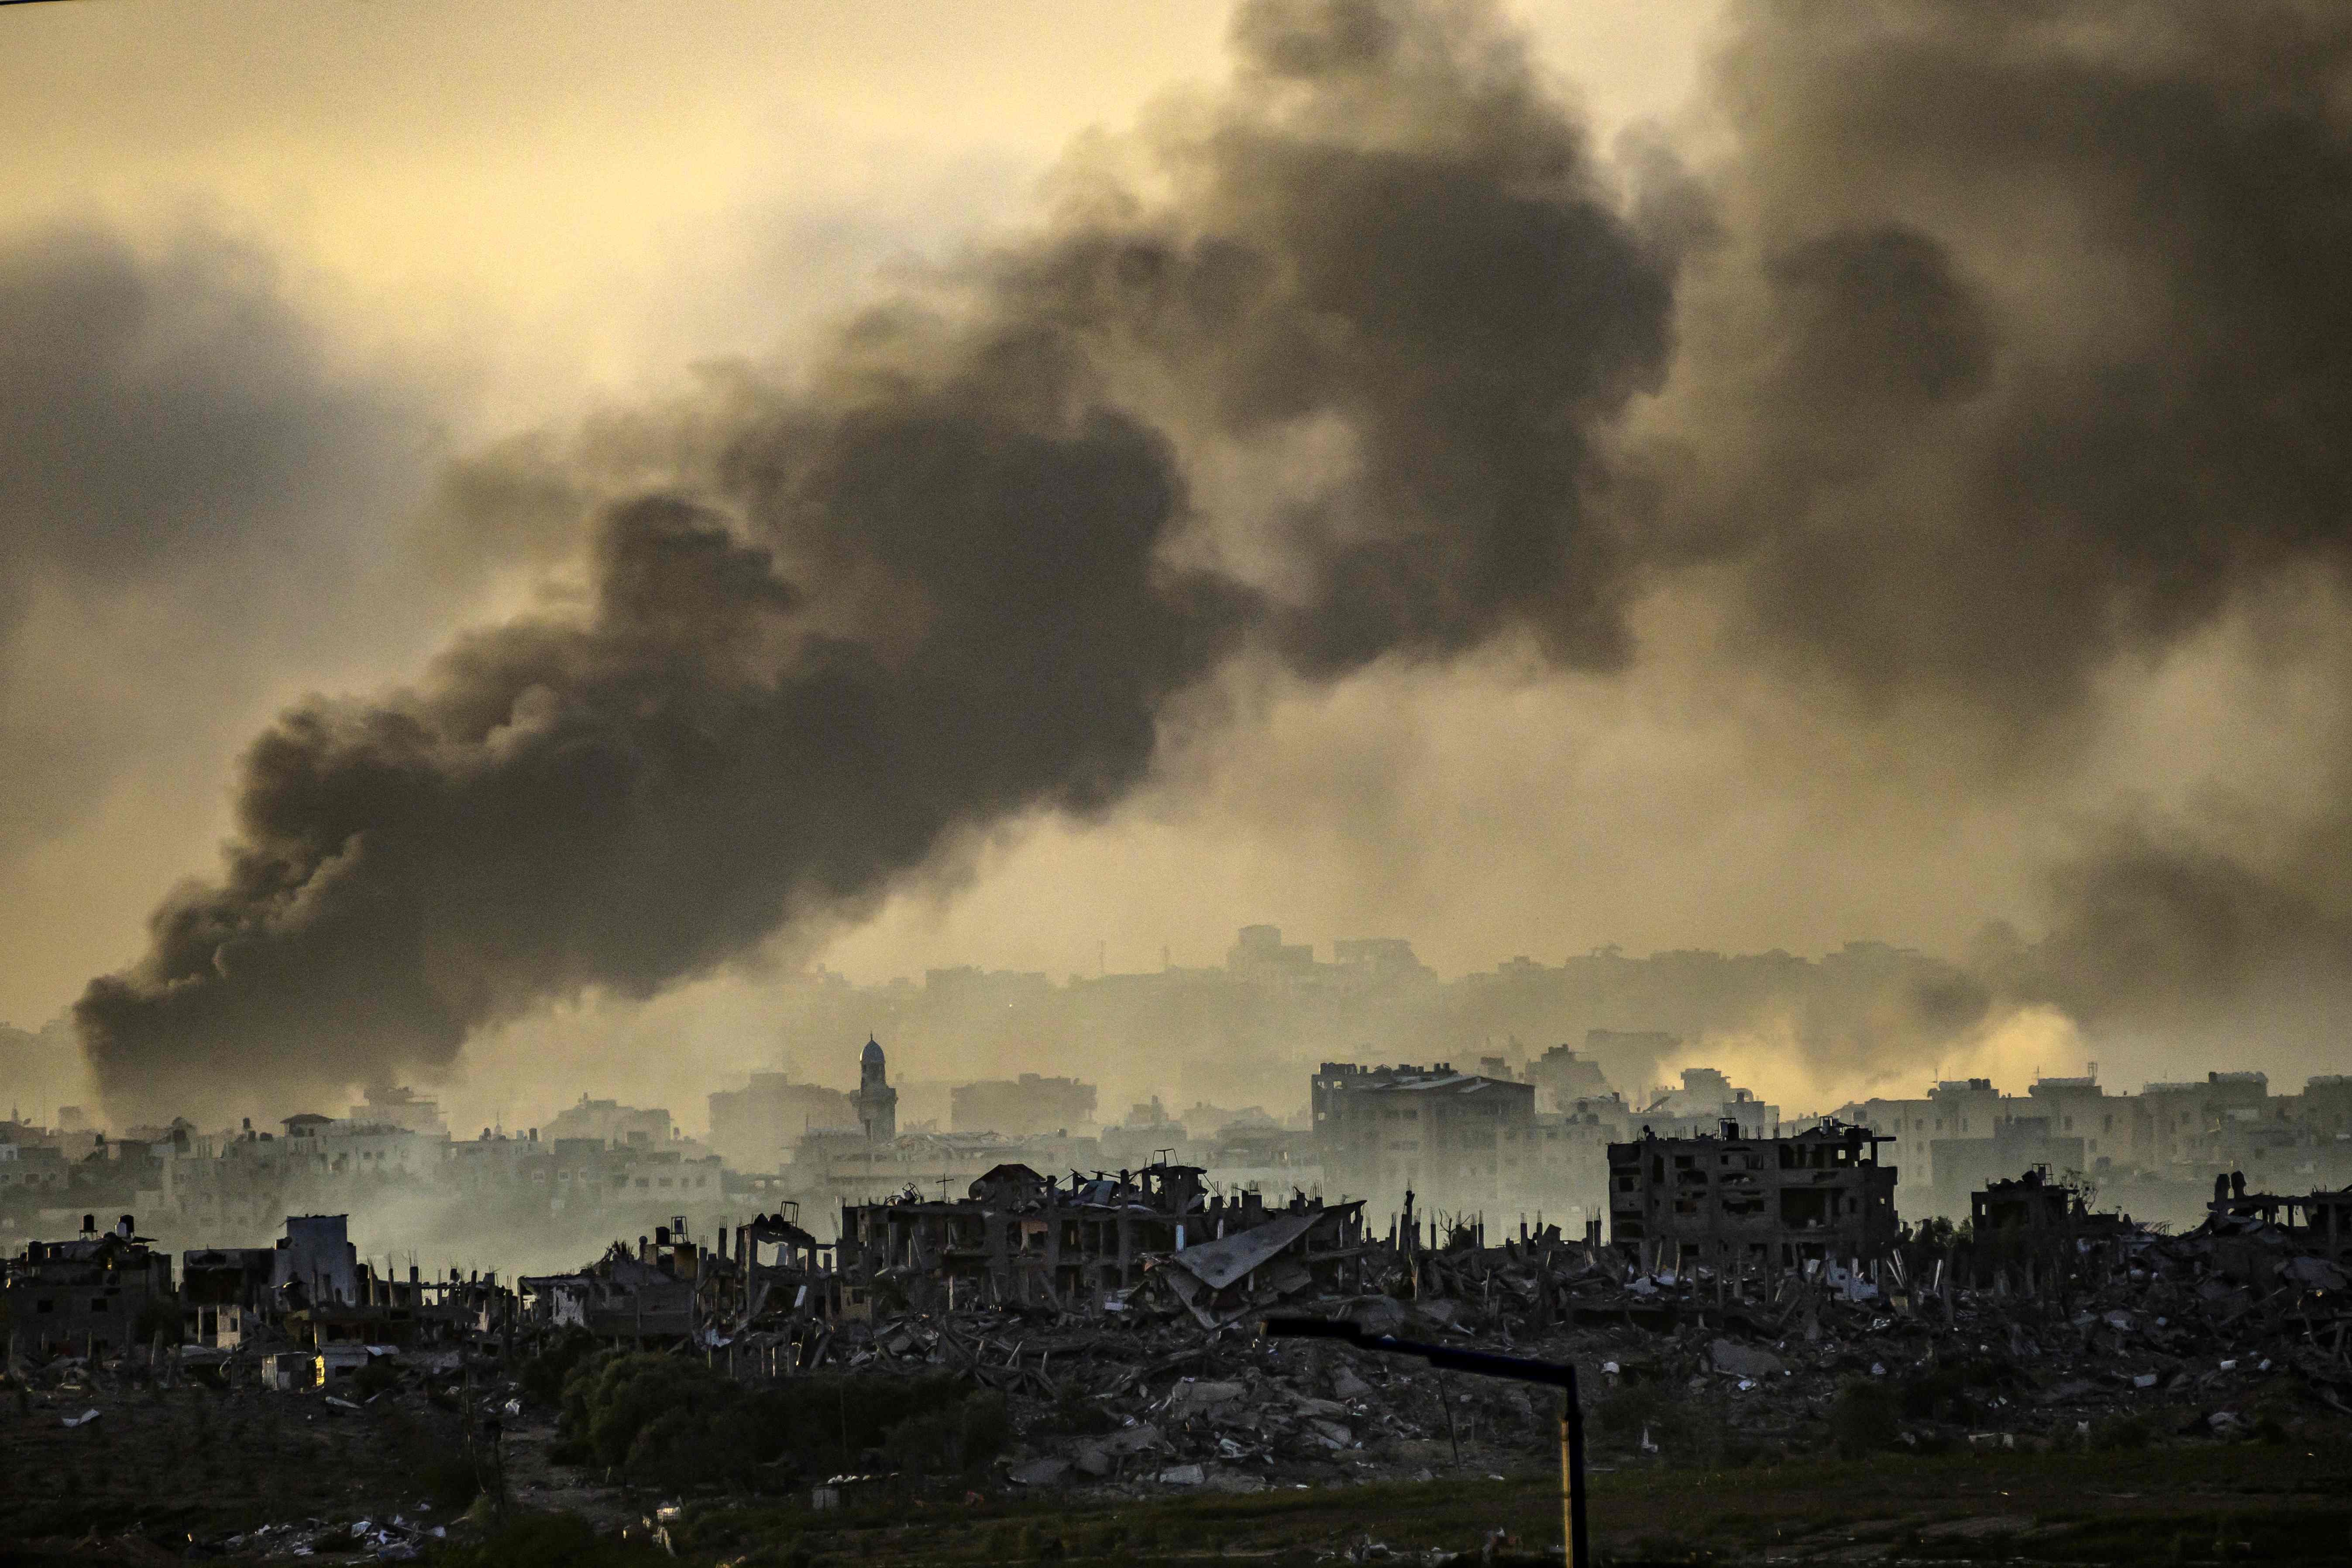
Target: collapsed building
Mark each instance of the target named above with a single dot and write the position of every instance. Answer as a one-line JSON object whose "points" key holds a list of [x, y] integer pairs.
{"points": [[90, 1295], [1742, 1205], [1022, 1239]]}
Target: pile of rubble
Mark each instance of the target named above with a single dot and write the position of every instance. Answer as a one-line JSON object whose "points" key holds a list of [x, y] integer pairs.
{"points": [[376, 1540], [2132, 1335]]}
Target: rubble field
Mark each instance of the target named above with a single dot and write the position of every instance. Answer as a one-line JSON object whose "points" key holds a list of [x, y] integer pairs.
{"points": [[2118, 1396], [104, 1464]]}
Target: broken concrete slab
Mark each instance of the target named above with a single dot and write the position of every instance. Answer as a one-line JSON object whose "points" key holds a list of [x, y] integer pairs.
{"points": [[1745, 1360]]}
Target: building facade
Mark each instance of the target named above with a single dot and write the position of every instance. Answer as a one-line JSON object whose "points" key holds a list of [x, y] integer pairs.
{"points": [[1453, 1139], [1745, 1206]]}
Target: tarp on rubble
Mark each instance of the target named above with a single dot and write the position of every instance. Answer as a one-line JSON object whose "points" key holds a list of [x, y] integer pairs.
{"points": [[1219, 1263]]}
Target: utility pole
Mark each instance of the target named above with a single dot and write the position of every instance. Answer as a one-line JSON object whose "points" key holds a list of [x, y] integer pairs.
{"points": [[1518, 1369]]}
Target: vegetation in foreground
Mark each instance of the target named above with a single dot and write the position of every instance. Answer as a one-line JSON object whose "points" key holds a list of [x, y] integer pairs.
{"points": [[2249, 1502]]}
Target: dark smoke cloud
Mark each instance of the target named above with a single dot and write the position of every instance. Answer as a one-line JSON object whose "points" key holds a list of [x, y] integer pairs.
{"points": [[2045, 350], [2003, 350], [178, 444], [2030, 359], [832, 631]]}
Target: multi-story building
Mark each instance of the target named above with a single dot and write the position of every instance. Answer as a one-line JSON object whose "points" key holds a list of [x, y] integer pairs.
{"points": [[1569, 1178], [754, 1128], [1019, 1106], [1752, 1205], [1456, 1140], [87, 1295], [401, 1108], [2017, 1144], [610, 1121], [1705, 1101], [1561, 1075]]}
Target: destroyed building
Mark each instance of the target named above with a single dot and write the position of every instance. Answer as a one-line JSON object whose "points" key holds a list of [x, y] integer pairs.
{"points": [[1021, 1239], [1740, 1205], [222, 1290], [87, 1295]]}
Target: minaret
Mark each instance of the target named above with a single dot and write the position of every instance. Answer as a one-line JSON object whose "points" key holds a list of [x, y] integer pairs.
{"points": [[877, 1101]]}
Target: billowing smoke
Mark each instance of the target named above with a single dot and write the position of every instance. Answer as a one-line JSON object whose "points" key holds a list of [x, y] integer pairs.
{"points": [[177, 441], [1999, 353], [956, 573], [2028, 360]]}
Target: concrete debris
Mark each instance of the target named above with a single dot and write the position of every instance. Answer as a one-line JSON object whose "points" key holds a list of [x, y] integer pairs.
{"points": [[1744, 1361], [2005, 1338]]}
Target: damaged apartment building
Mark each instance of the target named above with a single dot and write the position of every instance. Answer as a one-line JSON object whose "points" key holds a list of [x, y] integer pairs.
{"points": [[1458, 1140], [1744, 1205], [669, 1287], [1021, 1239], [96, 1293]]}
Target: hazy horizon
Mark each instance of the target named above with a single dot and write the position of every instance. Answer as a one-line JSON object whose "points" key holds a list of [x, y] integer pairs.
{"points": [[526, 531]]}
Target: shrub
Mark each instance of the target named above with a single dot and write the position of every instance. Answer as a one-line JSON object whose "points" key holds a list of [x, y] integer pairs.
{"points": [[622, 1396], [669, 1421], [543, 1375]]}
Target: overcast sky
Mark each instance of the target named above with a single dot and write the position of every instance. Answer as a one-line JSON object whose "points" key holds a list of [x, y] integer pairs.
{"points": [[268, 271]]}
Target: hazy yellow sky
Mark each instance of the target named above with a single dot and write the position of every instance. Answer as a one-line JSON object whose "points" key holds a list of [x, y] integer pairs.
{"points": [[456, 224], [531, 210], [569, 198]]}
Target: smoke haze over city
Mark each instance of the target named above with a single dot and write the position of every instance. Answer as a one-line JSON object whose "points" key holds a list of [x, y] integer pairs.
{"points": [[1567, 484]]}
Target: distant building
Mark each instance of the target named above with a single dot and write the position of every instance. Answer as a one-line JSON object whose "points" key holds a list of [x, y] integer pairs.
{"points": [[1562, 1075], [1570, 1177], [401, 1108], [2017, 1143], [1148, 1134], [876, 1103], [1705, 1101], [1456, 1140], [1022, 1105], [610, 1123], [754, 1128], [1380, 960], [1260, 951]]}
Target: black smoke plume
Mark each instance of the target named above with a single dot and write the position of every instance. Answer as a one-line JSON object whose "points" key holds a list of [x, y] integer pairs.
{"points": [[173, 439], [2003, 350], [958, 575], [2029, 360]]}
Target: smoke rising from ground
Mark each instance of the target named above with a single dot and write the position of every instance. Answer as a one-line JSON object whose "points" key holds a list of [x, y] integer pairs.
{"points": [[1996, 352], [828, 630], [187, 490], [2027, 360]]}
